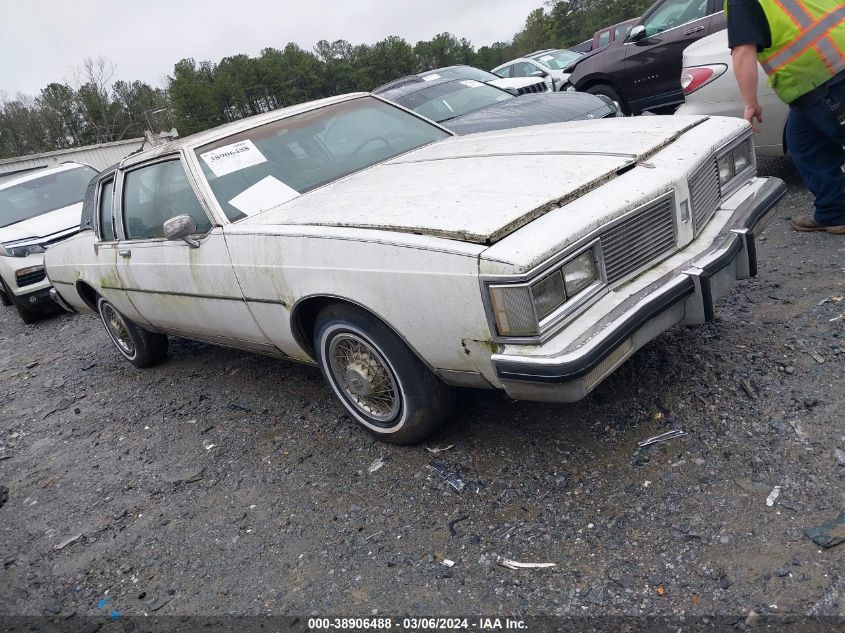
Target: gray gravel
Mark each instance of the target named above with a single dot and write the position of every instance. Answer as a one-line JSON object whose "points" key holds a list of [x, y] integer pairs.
{"points": [[223, 482]]}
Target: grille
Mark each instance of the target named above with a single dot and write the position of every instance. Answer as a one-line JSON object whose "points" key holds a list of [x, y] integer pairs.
{"points": [[27, 279], [639, 239], [538, 87], [704, 193]]}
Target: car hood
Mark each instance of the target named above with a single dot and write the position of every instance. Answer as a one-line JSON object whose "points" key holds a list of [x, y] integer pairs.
{"points": [[482, 187], [43, 226], [531, 109]]}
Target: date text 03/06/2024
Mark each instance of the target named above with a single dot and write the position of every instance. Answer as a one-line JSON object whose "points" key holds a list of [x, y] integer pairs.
{"points": [[416, 624]]}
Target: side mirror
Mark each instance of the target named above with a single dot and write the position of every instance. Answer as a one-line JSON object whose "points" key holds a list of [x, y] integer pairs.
{"points": [[540, 73], [512, 91], [637, 33], [181, 227]]}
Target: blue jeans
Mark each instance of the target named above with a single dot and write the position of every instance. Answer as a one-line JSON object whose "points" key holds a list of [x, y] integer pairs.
{"points": [[815, 140]]}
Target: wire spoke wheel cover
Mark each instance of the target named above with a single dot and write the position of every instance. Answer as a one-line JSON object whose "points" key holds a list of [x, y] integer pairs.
{"points": [[364, 377], [118, 330]]}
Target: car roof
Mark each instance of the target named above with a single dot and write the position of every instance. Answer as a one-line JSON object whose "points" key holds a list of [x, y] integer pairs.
{"points": [[241, 125], [34, 174]]}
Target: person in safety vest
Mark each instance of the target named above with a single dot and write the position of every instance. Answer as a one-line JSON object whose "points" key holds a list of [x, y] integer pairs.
{"points": [[801, 46]]}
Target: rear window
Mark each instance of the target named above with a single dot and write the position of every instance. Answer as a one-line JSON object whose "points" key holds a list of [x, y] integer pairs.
{"points": [[42, 195]]}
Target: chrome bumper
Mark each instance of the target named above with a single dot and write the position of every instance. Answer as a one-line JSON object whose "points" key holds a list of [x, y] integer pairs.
{"points": [[57, 299], [685, 296]]}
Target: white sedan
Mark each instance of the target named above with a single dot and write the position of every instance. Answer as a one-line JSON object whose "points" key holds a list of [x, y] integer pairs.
{"points": [[710, 88], [403, 261]]}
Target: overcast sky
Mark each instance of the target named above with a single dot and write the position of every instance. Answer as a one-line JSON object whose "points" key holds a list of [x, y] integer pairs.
{"points": [[43, 40]]}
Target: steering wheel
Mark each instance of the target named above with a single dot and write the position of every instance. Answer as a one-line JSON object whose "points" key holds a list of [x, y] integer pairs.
{"points": [[363, 144]]}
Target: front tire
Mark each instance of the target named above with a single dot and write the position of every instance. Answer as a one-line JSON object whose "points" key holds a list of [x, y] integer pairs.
{"points": [[610, 93], [26, 314], [382, 384], [139, 347]]}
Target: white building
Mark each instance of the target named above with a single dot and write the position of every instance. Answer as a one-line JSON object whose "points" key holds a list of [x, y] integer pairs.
{"points": [[98, 156]]}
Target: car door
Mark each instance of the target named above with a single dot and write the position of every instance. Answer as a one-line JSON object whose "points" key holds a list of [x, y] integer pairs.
{"points": [[173, 285], [103, 266], [653, 63]]}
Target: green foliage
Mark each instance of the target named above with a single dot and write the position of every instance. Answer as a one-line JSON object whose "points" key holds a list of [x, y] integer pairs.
{"points": [[202, 95]]}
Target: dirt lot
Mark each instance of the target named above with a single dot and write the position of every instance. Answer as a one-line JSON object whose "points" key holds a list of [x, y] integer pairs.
{"points": [[222, 482]]}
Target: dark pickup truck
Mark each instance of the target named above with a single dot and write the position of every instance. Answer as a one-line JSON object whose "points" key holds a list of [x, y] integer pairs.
{"points": [[642, 71]]}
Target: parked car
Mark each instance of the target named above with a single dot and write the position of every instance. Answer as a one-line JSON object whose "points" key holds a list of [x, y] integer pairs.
{"points": [[465, 106], [517, 85], [710, 88], [612, 33], [548, 64], [641, 72], [352, 234], [37, 209]]}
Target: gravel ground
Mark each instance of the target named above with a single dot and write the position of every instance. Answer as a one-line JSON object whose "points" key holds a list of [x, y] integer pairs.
{"points": [[223, 482]]}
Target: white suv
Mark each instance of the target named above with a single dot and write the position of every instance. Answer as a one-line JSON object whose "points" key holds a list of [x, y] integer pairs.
{"points": [[36, 210], [552, 65]]}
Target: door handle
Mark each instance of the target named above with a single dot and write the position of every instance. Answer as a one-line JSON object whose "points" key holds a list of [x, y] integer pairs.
{"points": [[694, 30], [125, 252]]}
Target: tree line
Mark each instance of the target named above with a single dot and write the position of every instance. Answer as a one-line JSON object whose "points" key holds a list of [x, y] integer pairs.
{"points": [[95, 108]]}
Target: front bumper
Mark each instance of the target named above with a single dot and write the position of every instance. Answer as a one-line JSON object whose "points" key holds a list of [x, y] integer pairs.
{"points": [[686, 295], [37, 300]]}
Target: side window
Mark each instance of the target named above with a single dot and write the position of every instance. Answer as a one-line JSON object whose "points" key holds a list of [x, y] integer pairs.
{"points": [[504, 71], [523, 69], [674, 13], [105, 206], [154, 194], [604, 38]]}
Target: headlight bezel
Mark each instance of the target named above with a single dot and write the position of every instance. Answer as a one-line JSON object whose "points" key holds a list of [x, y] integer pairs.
{"points": [[726, 156], [549, 323], [20, 250]]}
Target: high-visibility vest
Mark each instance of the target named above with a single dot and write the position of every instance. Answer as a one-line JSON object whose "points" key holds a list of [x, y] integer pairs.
{"points": [[808, 44]]}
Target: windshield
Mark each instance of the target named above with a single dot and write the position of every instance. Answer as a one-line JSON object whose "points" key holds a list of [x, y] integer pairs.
{"points": [[455, 98], [36, 197], [460, 72], [266, 166], [557, 60]]}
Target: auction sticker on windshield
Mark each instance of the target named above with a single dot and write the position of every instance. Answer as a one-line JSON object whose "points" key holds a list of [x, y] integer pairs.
{"points": [[263, 195], [230, 158]]}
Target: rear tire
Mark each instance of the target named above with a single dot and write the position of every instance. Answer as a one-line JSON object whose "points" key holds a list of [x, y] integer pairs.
{"points": [[379, 380], [610, 93], [139, 347]]}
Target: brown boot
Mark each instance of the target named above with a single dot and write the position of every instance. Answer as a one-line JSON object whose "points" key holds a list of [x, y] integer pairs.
{"points": [[807, 222]]}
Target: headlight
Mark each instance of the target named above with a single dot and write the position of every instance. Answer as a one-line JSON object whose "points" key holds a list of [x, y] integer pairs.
{"points": [[580, 273], [549, 294], [519, 309], [735, 162], [20, 251]]}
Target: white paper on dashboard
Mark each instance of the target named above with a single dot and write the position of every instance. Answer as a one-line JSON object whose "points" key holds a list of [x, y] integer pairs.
{"points": [[229, 158], [472, 83], [547, 58], [431, 77], [265, 194]]}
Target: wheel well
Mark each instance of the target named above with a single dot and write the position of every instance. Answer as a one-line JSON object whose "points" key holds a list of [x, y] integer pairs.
{"points": [[304, 317], [88, 294]]}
